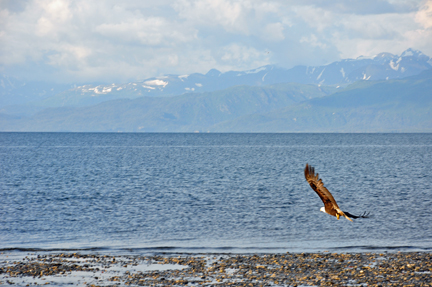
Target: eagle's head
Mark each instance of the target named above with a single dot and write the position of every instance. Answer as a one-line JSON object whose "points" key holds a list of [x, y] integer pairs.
{"points": [[323, 209]]}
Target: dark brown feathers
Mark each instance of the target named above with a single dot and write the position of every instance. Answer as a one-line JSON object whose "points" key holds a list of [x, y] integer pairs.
{"points": [[317, 185]]}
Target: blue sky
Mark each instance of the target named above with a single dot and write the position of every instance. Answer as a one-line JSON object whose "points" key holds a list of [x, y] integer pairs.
{"points": [[117, 41]]}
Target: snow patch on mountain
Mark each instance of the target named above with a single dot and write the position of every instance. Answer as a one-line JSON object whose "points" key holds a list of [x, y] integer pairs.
{"points": [[254, 71], [362, 58], [311, 71], [394, 66], [156, 83], [319, 76], [365, 77]]}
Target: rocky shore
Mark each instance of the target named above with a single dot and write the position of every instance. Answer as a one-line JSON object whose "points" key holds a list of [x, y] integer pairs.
{"points": [[287, 269]]}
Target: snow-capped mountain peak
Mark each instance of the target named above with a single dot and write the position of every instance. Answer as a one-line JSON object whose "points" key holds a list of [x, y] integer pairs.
{"points": [[379, 67], [412, 53]]}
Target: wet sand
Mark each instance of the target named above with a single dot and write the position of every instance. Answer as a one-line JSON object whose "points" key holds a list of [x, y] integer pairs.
{"points": [[287, 269]]}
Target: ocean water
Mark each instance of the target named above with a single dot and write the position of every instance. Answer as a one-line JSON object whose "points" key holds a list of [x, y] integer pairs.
{"points": [[143, 193]]}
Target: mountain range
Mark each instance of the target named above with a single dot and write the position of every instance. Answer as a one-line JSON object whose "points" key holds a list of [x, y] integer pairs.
{"points": [[341, 73], [385, 93], [402, 105]]}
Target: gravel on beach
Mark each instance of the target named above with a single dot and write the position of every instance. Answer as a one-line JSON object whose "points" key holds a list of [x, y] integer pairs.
{"points": [[287, 269]]}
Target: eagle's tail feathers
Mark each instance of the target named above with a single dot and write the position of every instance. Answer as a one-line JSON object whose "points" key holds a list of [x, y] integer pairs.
{"points": [[364, 215]]}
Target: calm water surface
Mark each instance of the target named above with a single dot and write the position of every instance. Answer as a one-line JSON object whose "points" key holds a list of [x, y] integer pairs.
{"points": [[213, 192]]}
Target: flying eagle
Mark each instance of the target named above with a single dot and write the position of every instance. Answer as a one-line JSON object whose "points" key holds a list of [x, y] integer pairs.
{"points": [[330, 205]]}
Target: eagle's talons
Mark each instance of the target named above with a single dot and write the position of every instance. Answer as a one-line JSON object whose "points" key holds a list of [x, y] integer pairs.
{"points": [[337, 216]]}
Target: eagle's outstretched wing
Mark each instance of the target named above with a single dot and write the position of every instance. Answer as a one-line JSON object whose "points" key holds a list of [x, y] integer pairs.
{"points": [[317, 185]]}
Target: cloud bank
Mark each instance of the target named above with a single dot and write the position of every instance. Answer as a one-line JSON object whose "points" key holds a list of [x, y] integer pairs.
{"points": [[106, 40]]}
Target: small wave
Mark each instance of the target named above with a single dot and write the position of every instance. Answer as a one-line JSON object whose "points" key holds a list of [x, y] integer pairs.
{"points": [[223, 249], [22, 249], [382, 248]]}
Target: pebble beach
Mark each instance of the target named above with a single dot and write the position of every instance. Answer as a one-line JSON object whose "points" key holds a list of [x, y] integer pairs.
{"points": [[286, 269]]}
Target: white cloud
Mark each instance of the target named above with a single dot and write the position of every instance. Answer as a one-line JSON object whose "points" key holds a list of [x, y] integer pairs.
{"points": [[354, 35], [228, 14], [245, 17], [274, 32], [57, 10], [424, 15], [108, 40], [241, 56], [316, 17], [54, 16], [146, 31], [313, 41], [69, 56]]}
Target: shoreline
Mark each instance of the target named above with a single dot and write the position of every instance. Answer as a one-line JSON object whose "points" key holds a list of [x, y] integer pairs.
{"points": [[217, 269]]}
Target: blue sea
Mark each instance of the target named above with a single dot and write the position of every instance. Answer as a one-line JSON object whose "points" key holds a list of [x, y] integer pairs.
{"points": [[203, 193]]}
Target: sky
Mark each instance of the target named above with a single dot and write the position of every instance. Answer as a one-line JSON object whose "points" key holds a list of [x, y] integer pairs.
{"points": [[69, 41]]}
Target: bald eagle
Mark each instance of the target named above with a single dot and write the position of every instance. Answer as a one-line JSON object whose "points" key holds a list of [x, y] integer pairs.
{"points": [[330, 205]]}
